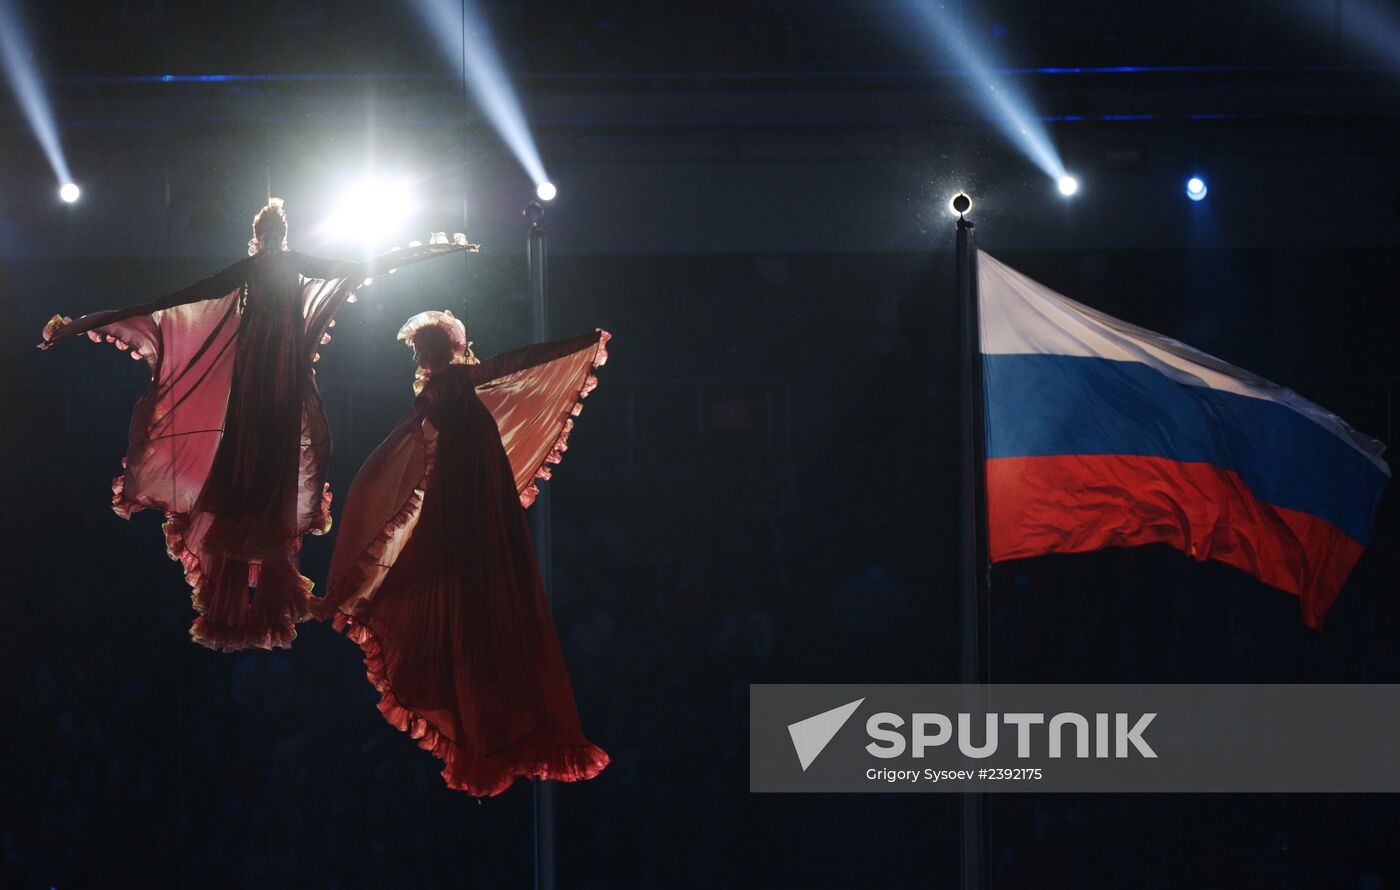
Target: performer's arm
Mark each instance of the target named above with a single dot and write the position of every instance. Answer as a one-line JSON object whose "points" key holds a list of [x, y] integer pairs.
{"points": [[324, 303], [218, 285], [529, 356], [317, 267], [211, 288]]}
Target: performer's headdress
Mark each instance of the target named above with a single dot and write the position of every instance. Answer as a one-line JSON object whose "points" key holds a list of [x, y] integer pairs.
{"points": [[269, 228], [442, 324]]}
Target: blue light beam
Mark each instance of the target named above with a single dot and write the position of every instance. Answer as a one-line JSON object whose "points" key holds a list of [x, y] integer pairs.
{"points": [[19, 66], [993, 91], [1370, 26], [485, 75]]}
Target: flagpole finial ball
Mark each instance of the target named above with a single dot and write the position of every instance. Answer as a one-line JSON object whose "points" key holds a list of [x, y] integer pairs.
{"points": [[961, 203]]}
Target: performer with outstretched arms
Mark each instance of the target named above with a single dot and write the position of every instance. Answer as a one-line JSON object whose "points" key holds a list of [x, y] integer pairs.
{"points": [[231, 441], [434, 575]]}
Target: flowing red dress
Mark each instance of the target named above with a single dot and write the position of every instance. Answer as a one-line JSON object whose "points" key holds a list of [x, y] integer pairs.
{"points": [[230, 441], [434, 574]]}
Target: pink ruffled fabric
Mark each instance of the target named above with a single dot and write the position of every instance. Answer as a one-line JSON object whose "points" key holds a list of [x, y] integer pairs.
{"points": [[561, 443]]}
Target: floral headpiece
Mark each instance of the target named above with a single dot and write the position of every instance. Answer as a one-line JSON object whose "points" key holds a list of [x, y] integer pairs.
{"points": [[456, 335], [446, 322]]}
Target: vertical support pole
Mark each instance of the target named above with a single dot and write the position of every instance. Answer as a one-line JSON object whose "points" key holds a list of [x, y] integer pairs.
{"points": [[974, 564], [540, 531]]}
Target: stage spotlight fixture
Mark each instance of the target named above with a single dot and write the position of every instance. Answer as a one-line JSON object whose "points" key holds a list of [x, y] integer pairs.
{"points": [[1068, 185], [69, 192], [546, 191], [1196, 188], [960, 204]]}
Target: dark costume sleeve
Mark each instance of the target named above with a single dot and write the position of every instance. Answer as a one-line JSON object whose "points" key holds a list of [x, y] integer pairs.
{"points": [[211, 288], [329, 284], [317, 267]]}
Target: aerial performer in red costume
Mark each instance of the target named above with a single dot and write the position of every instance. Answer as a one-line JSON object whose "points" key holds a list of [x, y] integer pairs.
{"points": [[230, 441], [434, 574]]}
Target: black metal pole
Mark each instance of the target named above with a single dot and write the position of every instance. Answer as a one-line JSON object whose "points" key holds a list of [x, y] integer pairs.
{"points": [[974, 576], [540, 531]]}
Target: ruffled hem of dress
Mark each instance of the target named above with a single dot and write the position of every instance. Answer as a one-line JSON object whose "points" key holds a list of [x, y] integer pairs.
{"points": [[174, 528], [124, 346], [236, 638], [95, 335], [120, 505], [320, 523], [277, 634], [534, 756], [561, 444]]}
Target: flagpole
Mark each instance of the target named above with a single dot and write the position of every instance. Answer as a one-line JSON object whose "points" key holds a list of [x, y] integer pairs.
{"points": [[974, 575], [540, 531]]}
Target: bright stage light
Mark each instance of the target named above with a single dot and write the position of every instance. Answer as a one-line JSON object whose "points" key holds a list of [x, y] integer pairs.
{"points": [[998, 95], [959, 204], [546, 191], [372, 211], [69, 192], [1068, 185], [1196, 188], [16, 56]]}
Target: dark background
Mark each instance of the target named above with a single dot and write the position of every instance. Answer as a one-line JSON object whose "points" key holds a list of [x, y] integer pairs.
{"points": [[753, 200]]}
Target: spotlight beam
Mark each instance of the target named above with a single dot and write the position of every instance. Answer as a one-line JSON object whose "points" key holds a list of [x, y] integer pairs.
{"points": [[29, 92], [1370, 26], [994, 92], [485, 75]]}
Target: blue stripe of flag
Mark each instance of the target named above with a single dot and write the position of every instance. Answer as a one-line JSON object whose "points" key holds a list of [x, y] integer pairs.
{"points": [[1040, 405]]}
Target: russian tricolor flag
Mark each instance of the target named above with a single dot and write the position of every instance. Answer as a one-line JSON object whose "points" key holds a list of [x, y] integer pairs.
{"points": [[1102, 434]]}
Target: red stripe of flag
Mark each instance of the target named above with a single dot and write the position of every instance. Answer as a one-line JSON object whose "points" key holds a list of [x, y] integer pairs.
{"points": [[1081, 502]]}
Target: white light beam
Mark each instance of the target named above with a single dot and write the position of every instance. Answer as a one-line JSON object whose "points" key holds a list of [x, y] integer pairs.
{"points": [[17, 57]]}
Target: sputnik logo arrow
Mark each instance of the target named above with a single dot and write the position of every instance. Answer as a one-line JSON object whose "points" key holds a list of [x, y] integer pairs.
{"points": [[812, 735]]}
